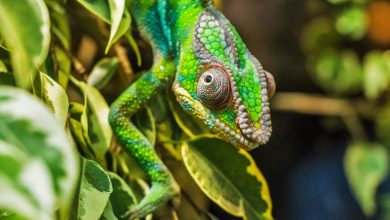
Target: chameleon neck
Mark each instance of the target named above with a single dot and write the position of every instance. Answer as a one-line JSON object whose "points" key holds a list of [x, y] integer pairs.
{"points": [[166, 24], [182, 17]]}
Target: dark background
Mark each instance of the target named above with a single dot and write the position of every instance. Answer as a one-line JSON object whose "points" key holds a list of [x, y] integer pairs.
{"points": [[303, 161]]}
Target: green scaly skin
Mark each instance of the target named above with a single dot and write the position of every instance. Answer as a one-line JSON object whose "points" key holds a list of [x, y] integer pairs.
{"points": [[213, 75]]}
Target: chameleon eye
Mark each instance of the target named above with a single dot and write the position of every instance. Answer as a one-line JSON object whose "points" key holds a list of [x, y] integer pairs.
{"points": [[214, 89]]}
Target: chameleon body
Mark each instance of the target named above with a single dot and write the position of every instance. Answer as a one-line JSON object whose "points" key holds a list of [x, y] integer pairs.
{"points": [[215, 78]]}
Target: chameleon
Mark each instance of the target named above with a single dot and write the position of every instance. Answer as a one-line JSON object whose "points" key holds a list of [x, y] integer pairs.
{"points": [[200, 55]]}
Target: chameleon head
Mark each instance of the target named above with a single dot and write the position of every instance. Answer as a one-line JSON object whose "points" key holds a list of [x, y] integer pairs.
{"points": [[223, 85]]}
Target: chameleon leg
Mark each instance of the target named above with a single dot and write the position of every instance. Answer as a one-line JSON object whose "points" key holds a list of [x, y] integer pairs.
{"points": [[163, 186]]}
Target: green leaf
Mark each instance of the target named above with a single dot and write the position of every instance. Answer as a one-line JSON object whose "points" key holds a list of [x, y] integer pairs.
{"points": [[7, 79], [108, 213], [95, 190], [376, 73], [64, 66], [95, 123], [135, 47], [318, 35], [60, 25], [96, 128], [229, 177], [54, 96], [122, 198], [338, 72], [339, 2], [77, 130], [25, 26], [3, 68], [352, 23], [38, 165], [102, 72], [100, 8], [120, 21], [384, 203], [366, 166], [382, 124]]}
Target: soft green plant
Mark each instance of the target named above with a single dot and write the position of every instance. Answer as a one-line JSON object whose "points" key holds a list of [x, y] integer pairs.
{"points": [[58, 156], [351, 67]]}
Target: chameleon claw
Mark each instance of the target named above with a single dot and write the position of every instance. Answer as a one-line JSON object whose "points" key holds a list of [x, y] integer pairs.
{"points": [[159, 194]]}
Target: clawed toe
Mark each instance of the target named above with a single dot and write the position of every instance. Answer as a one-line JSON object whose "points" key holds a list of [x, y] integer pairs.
{"points": [[158, 195]]}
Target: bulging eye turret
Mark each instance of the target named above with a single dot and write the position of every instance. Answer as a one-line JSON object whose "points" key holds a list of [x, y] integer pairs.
{"points": [[214, 89]]}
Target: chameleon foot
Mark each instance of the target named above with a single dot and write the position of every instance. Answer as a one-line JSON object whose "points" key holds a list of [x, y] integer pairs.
{"points": [[159, 194]]}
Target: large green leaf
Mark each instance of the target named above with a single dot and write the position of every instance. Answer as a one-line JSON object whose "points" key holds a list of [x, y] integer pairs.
{"points": [[95, 190], [25, 26], [229, 177], [366, 166], [38, 165]]}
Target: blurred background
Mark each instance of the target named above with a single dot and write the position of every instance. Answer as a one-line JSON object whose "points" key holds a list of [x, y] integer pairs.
{"points": [[328, 155]]}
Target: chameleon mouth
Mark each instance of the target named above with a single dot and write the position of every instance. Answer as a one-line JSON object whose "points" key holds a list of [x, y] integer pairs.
{"points": [[237, 138]]}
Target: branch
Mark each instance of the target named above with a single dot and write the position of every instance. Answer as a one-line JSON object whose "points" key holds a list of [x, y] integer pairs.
{"points": [[319, 105]]}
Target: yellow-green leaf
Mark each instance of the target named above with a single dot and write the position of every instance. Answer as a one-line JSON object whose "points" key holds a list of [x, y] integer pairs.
{"points": [[366, 166], [338, 72], [376, 73], [352, 22], [25, 26], [54, 96], [102, 72], [229, 177], [100, 8], [3, 68], [64, 67], [122, 198], [59, 23], [95, 190], [120, 21], [96, 128], [38, 165]]}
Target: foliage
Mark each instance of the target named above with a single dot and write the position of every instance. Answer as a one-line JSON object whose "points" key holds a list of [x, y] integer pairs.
{"points": [[61, 63], [344, 44]]}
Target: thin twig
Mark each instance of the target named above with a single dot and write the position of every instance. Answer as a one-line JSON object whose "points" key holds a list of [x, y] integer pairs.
{"points": [[320, 105], [121, 53]]}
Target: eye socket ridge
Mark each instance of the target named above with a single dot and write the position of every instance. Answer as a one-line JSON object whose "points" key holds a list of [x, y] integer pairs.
{"points": [[214, 89]]}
